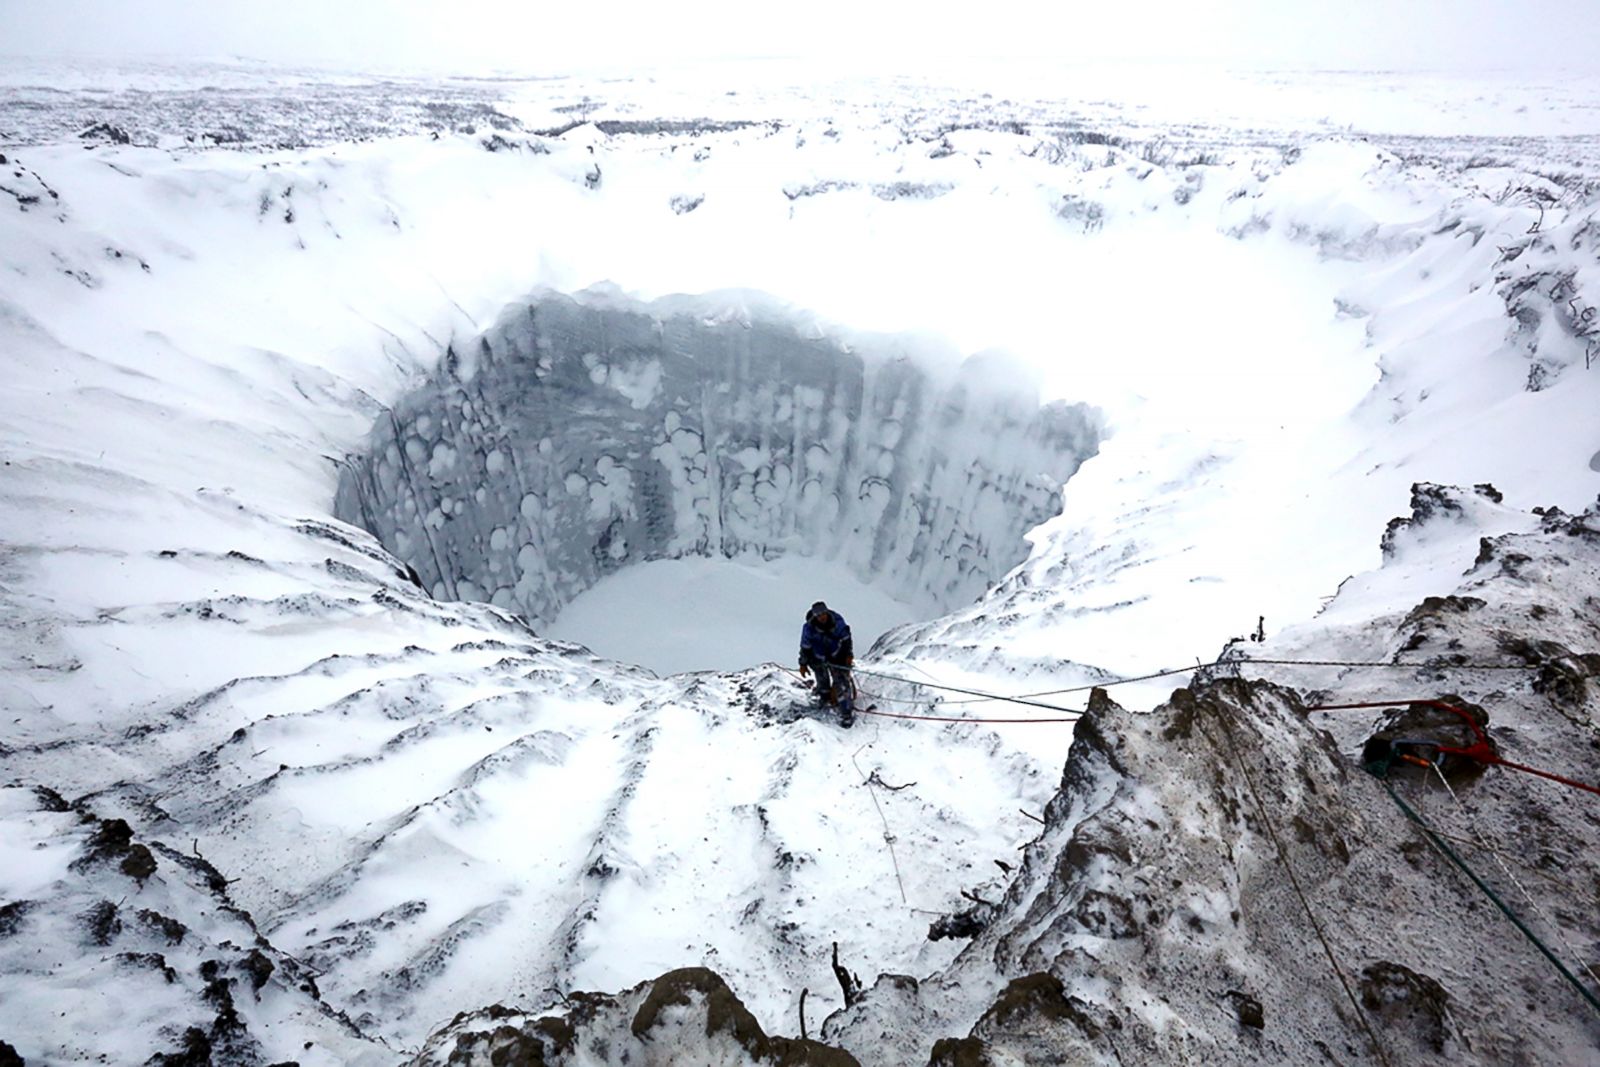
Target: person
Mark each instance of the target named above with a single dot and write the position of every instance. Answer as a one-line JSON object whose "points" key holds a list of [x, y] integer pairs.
{"points": [[827, 653]]}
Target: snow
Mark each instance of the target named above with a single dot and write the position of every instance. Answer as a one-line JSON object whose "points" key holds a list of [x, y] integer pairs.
{"points": [[33, 855], [440, 809], [703, 614]]}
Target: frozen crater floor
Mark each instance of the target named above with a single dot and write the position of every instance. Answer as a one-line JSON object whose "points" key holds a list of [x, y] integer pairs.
{"points": [[331, 408], [701, 614]]}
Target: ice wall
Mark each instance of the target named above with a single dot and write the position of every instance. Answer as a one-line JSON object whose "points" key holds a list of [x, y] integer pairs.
{"points": [[582, 434]]}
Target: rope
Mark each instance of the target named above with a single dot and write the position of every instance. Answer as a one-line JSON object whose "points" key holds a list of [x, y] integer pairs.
{"points": [[1520, 861], [978, 695], [1277, 662], [888, 838], [1380, 771], [969, 692], [879, 698], [1497, 761], [1379, 663], [1543, 914], [1123, 681], [872, 710], [1283, 856], [1028, 697], [1480, 750], [948, 718]]}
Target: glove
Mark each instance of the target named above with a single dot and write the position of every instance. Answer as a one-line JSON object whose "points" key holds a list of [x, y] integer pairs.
{"points": [[804, 670], [849, 661]]}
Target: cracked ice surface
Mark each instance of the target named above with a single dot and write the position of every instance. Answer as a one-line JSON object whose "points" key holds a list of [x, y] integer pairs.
{"points": [[581, 435]]}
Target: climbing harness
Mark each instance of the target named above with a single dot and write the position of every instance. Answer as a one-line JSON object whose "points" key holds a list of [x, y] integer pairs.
{"points": [[849, 706]]}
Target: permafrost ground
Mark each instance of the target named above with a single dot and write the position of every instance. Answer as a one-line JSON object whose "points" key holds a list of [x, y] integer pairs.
{"points": [[268, 800]]}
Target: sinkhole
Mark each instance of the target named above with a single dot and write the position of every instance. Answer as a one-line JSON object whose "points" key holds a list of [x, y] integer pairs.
{"points": [[673, 483]]}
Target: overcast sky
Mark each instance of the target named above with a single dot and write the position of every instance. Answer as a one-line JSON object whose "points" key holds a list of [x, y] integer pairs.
{"points": [[536, 35]]}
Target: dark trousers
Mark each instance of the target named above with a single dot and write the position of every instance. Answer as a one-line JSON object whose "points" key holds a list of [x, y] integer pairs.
{"points": [[833, 683]]}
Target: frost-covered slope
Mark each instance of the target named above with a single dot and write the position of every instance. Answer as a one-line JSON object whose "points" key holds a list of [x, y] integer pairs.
{"points": [[431, 808], [1213, 873]]}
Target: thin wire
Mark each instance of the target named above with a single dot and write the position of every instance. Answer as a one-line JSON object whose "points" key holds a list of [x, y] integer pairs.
{"points": [[1102, 685], [877, 698], [888, 838], [1505, 910], [963, 718], [880, 698], [873, 710], [1283, 856], [1024, 698], [1377, 663], [1545, 915], [1519, 860], [969, 692]]}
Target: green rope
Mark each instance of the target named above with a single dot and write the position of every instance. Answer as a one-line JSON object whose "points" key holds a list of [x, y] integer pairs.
{"points": [[1380, 770]]}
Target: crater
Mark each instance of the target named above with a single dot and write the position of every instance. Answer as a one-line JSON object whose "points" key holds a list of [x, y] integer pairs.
{"points": [[584, 437]]}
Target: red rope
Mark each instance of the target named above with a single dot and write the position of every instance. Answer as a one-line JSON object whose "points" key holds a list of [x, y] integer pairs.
{"points": [[1480, 750], [1472, 724], [1530, 770]]}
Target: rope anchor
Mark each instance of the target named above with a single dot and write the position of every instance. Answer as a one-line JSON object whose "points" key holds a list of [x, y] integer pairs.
{"points": [[1481, 750]]}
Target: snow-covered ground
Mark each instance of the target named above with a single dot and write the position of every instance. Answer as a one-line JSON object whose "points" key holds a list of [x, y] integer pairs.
{"points": [[1284, 321]]}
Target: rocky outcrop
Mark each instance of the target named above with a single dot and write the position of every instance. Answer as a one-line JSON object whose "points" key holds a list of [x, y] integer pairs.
{"points": [[684, 1016], [1226, 879], [1218, 879], [1157, 918]]}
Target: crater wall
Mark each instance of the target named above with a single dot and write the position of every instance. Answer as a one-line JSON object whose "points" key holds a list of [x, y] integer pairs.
{"points": [[583, 434]]}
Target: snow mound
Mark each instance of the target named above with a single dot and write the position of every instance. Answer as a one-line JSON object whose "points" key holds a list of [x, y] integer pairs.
{"points": [[685, 1016]]}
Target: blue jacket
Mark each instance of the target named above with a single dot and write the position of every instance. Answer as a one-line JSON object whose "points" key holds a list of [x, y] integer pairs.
{"points": [[826, 646]]}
